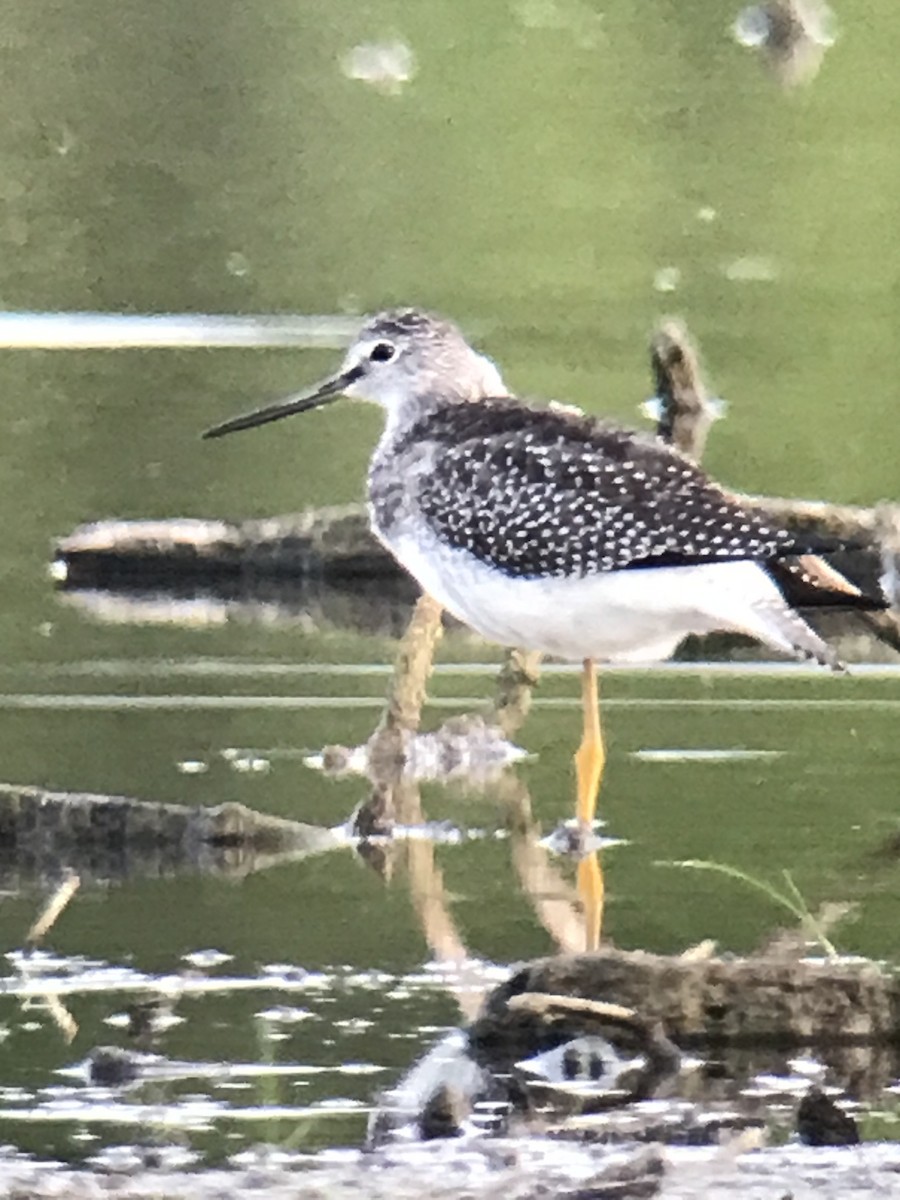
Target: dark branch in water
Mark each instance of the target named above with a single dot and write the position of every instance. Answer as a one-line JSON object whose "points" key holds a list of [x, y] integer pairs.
{"points": [[686, 409]]}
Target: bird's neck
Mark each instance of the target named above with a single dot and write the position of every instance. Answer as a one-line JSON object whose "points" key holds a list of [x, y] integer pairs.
{"points": [[407, 411]]}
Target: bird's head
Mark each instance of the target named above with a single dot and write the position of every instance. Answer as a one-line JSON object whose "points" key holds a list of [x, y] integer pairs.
{"points": [[399, 359]]}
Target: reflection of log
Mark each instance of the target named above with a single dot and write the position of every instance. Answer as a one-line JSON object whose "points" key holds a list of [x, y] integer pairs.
{"points": [[791, 35], [43, 834], [379, 611], [342, 575], [686, 410]]}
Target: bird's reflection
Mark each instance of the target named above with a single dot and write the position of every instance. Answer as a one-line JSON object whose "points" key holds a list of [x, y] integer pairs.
{"points": [[476, 750]]}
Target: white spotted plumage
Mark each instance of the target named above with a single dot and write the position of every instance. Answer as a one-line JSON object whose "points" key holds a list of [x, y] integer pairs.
{"points": [[536, 492]]}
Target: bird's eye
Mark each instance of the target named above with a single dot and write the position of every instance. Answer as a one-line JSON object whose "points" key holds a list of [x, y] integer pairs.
{"points": [[382, 352]]}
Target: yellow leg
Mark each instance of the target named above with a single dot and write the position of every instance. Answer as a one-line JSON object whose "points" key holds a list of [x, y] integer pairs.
{"points": [[589, 768], [591, 892], [591, 756]]}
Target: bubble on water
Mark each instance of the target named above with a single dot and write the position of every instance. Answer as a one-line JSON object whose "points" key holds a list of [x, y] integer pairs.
{"points": [[192, 766], [204, 960], [284, 1014], [385, 66], [245, 761], [666, 279], [251, 764], [237, 264], [752, 26], [751, 269]]}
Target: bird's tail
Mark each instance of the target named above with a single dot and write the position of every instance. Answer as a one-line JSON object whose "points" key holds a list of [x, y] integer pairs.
{"points": [[808, 581], [786, 629]]}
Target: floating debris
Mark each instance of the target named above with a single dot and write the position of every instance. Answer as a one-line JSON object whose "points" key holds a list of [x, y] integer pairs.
{"points": [[463, 748], [108, 1066], [821, 1123], [572, 839], [145, 1019]]}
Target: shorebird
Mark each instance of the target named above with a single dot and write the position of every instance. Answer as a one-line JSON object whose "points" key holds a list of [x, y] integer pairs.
{"points": [[544, 528]]}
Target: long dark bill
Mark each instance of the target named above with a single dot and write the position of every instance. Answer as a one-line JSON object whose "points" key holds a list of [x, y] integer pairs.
{"points": [[327, 391]]}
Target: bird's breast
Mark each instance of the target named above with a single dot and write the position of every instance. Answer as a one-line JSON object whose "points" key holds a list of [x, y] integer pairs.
{"points": [[393, 484]]}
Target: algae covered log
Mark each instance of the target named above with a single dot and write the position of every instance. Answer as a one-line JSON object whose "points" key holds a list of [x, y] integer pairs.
{"points": [[43, 834], [706, 1002]]}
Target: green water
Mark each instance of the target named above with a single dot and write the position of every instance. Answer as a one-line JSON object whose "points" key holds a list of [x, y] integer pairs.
{"points": [[548, 160]]}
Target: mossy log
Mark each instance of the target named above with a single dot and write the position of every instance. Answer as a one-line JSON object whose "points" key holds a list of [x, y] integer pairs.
{"points": [[699, 1003], [44, 834]]}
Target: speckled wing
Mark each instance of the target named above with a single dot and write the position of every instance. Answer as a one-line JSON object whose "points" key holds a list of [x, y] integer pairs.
{"points": [[546, 492]]}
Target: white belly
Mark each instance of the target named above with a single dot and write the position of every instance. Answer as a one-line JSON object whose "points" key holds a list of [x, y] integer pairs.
{"points": [[639, 615]]}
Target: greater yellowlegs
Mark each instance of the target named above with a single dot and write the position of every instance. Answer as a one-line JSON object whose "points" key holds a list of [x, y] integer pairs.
{"points": [[548, 529]]}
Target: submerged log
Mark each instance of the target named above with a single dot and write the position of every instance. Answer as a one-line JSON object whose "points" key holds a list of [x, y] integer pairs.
{"points": [[43, 834]]}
